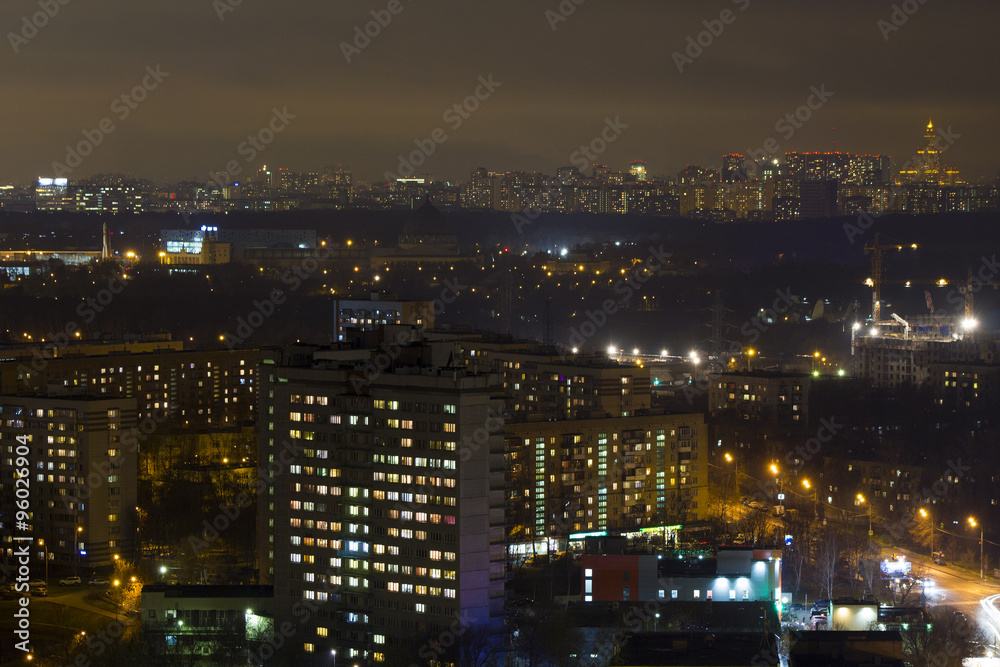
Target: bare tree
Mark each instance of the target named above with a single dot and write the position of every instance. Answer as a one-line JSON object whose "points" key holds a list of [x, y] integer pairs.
{"points": [[827, 560], [753, 524]]}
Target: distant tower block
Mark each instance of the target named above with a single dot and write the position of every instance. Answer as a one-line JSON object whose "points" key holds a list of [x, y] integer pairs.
{"points": [[638, 171], [106, 248]]}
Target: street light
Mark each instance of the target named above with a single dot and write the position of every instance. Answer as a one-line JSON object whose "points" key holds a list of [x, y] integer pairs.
{"points": [[42, 544], [333, 652], [927, 515], [862, 501], [79, 556], [116, 584], [972, 522]]}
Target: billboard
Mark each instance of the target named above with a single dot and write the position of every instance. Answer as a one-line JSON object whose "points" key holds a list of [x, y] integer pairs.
{"points": [[896, 569]]}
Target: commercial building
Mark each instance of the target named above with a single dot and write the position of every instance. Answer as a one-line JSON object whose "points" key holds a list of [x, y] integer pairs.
{"points": [[386, 512], [82, 481], [735, 575], [378, 311], [191, 624]]}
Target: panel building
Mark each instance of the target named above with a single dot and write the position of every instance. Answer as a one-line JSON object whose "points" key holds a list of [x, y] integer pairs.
{"points": [[386, 513], [618, 474], [207, 388], [82, 477], [772, 397]]}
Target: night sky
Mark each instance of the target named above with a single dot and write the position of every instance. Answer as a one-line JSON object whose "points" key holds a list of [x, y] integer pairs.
{"points": [[605, 60]]}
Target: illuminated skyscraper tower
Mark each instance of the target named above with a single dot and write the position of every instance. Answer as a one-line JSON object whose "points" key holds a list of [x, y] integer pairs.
{"points": [[927, 166]]}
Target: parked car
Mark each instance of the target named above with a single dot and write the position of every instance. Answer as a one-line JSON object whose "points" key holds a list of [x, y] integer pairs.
{"points": [[69, 581], [39, 588], [98, 582]]}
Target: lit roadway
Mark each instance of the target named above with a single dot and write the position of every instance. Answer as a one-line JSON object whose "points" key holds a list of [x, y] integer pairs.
{"points": [[958, 589]]}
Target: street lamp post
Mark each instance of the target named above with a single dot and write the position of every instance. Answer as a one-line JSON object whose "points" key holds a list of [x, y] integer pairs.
{"points": [[333, 652], [79, 556], [815, 497], [982, 534], [42, 544], [862, 501], [927, 515], [116, 584]]}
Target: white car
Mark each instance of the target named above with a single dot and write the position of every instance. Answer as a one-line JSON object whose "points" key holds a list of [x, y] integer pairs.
{"points": [[69, 581]]}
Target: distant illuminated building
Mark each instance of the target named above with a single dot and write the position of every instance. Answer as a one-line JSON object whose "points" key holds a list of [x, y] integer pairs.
{"points": [[733, 168], [52, 194], [927, 165], [868, 170], [696, 175], [637, 170]]}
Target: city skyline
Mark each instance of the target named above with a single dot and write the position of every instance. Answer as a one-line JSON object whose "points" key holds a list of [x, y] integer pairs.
{"points": [[179, 108]]}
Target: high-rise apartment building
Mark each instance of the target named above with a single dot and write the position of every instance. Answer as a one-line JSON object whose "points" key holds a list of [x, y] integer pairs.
{"points": [[611, 473], [81, 458], [386, 511], [199, 388]]}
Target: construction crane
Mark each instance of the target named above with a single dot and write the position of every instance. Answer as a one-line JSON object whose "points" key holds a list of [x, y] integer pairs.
{"points": [[876, 249], [967, 289]]}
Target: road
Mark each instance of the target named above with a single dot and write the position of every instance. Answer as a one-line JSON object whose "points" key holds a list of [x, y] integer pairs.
{"points": [[77, 600], [959, 590]]}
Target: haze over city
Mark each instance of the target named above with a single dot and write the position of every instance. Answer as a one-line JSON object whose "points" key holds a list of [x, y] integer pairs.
{"points": [[229, 65]]}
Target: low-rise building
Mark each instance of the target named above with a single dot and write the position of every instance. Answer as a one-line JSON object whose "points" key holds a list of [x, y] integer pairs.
{"points": [[197, 624], [735, 575]]}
